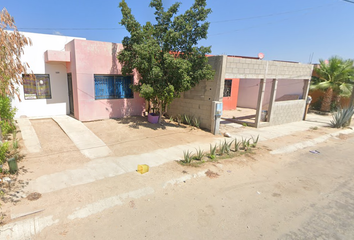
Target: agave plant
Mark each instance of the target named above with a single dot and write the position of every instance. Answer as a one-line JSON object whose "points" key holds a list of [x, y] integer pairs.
{"points": [[228, 147], [187, 119], [187, 156], [213, 151], [196, 122], [342, 117], [254, 141], [237, 145], [199, 154]]}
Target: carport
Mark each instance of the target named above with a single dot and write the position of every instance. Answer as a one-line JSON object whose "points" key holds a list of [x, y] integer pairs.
{"points": [[268, 92], [279, 91]]}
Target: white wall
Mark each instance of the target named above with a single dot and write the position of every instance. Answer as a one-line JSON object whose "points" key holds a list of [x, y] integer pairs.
{"points": [[248, 90], [34, 56]]}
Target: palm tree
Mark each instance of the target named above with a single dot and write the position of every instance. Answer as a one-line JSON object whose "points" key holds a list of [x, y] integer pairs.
{"points": [[336, 78]]}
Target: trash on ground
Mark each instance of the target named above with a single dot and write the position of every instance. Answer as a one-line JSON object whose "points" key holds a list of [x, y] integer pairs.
{"points": [[143, 168], [314, 151]]}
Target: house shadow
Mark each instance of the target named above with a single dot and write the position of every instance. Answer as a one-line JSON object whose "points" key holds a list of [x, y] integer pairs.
{"points": [[137, 122]]}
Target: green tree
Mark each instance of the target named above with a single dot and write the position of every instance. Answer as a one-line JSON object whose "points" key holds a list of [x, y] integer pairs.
{"points": [[166, 54], [335, 77]]}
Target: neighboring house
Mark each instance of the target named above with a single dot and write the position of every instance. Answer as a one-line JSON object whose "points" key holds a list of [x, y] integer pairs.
{"points": [[280, 88], [75, 76]]}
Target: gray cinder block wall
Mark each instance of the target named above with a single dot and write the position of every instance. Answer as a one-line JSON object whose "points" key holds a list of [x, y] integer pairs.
{"points": [[254, 68], [287, 111], [197, 102]]}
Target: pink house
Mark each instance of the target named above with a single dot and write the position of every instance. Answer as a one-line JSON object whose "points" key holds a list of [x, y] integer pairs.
{"points": [[79, 77], [99, 90]]}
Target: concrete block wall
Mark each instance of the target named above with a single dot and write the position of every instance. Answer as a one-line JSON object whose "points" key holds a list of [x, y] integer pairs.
{"points": [[254, 68], [197, 102], [287, 111]]}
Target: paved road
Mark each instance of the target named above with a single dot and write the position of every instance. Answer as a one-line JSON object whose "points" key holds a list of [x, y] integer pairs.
{"points": [[332, 216]]}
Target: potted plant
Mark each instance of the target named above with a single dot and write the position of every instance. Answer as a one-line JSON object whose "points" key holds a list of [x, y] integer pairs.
{"points": [[153, 117]]}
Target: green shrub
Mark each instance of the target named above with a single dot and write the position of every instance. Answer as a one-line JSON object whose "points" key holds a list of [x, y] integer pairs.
{"points": [[7, 113], [4, 147]]}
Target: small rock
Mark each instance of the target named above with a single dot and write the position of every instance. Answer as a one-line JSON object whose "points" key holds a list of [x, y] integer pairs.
{"points": [[7, 179]]}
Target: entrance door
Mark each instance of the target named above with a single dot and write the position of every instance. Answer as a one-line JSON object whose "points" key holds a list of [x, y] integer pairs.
{"points": [[70, 91], [230, 93]]}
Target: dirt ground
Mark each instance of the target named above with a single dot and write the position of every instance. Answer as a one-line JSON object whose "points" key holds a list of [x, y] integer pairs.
{"points": [[259, 196], [134, 135], [126, 136], [59, 154]]}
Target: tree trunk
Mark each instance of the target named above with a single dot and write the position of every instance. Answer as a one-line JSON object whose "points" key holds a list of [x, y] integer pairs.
{"points": [[327, 100], [160, 111]]}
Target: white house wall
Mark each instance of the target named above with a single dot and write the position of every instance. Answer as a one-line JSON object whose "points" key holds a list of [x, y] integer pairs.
{"points": [[34, 56]]}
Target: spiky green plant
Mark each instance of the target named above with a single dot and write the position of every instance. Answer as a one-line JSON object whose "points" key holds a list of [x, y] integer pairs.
{"points": [[237, 145], [228, 147], [196, 122], [187, 156], [187, 119], [213, 151], [199, 154], [221, 148], [342, 117], [245, 144], [254, 141]]}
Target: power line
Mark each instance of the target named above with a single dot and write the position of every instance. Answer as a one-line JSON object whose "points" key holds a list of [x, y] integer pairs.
{"points": [[272, 14], [221, 21], [348, 1]]}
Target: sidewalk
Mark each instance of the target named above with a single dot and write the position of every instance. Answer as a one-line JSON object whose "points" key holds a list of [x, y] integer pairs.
{"points": [[104, 167]]}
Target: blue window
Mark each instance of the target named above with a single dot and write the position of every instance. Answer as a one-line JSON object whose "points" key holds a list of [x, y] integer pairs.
{"points": [[113, 87]]}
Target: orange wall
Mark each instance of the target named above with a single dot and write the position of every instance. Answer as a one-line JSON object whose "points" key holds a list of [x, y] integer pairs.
{"points": [[230, 103], [316, 94]]}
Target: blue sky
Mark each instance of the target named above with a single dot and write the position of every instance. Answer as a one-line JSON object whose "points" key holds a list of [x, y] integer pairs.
{"points": [[297, 30]]}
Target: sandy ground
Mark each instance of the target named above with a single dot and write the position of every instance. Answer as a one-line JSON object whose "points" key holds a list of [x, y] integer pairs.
{"points": [[134, 135], [177, 207], [259, 196], [126, 136]]}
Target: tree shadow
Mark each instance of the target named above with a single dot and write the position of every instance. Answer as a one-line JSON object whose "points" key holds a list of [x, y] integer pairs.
{"points": [[136, 122]]}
